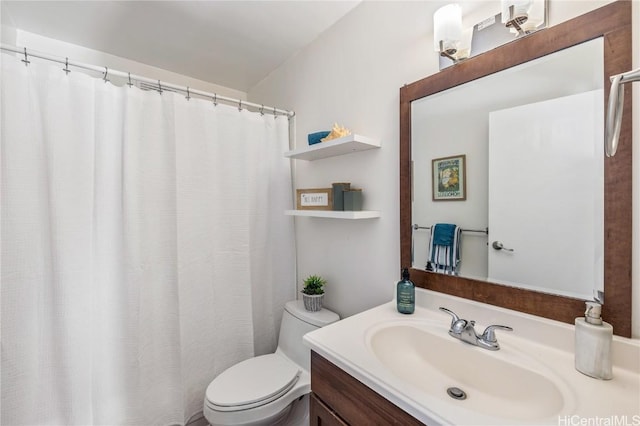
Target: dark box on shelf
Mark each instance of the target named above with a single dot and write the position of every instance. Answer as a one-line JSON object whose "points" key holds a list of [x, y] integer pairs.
{"points": [[353, 200], [338, 190]]}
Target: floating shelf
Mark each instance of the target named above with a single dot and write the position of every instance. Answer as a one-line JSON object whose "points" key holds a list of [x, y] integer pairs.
{"points": [[339, 146], [364, 214]]}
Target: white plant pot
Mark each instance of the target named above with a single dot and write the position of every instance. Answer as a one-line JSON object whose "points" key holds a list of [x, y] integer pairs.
{"points": [[312, 302]]}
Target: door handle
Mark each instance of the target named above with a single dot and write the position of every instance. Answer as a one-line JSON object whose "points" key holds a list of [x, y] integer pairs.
{"points": [[499, 246]]}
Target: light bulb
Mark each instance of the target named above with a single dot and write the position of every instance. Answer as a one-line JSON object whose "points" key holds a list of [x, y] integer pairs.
{"points": [[447, 28], [520, 11]]}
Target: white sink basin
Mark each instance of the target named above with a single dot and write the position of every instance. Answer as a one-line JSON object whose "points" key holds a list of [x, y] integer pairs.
{"points": [[411, 361], [509, 385]]}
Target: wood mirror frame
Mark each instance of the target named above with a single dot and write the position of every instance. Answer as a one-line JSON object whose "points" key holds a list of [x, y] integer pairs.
{"points": [[613, 22]]}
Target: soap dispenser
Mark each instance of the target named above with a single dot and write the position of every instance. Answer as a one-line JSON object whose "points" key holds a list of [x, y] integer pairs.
{"points": [[406, 294], [593, 344]]}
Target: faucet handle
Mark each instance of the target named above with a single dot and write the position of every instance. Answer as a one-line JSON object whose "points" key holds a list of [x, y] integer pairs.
{"points": [[457, 324], [489, 335], [454, 317]]}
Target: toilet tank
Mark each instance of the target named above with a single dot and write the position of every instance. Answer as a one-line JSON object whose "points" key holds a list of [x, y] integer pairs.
{"points": [[296, 322]]}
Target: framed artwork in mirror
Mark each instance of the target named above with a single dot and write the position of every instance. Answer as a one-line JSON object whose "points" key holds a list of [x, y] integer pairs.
{"points": [[449, 179]]}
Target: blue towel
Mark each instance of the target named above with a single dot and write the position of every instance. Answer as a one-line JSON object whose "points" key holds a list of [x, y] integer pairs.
{"points": [[444, 249], [314, 138], [444, 234]]}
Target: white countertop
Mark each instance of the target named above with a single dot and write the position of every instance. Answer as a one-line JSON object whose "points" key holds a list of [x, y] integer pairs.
{"points": [[543, 341]]}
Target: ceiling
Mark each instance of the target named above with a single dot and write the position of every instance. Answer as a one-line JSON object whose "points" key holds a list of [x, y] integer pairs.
{"points": [[231, 43]]}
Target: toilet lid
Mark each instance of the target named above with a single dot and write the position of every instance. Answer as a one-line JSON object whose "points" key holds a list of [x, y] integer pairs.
{"points": [[253, 382]]}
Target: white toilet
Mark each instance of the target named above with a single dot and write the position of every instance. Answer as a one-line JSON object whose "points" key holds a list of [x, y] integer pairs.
{"points": [[269, 389]]}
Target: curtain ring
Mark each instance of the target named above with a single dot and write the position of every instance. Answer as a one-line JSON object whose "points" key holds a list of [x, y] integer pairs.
{"points": [[159, 87], [215, 99], [130, 84], [262, 109], [106, 71], [240, 105], [188, 95], [274, 113], [26, 59], [66, 66]]}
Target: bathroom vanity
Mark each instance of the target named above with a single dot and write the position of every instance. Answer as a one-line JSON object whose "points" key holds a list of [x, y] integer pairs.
{"points": [[383, 367], [340, 399]]}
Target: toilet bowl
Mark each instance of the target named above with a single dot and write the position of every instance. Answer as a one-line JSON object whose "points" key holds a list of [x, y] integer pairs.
{"points": [[269, 389]]}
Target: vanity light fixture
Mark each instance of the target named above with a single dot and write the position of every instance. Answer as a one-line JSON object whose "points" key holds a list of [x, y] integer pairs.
{"points": [[523, 16], [447, 31], [517, 18]]}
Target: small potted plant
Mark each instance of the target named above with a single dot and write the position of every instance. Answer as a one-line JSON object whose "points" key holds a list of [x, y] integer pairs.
{"points": [[313, 293]]}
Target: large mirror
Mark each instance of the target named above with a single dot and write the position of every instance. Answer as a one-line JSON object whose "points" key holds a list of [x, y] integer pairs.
{"points": [[532, 142], [545, 219]]}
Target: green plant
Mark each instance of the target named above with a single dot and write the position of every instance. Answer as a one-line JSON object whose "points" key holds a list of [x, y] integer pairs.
{"points": [[313, 285]]}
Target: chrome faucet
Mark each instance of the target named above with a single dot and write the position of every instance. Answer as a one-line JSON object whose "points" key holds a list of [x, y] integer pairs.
{"points": [[465, 331]]}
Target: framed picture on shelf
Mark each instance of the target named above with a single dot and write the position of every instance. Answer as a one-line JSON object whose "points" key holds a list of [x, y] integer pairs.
{"points": [[449, 178], [314, 199]]}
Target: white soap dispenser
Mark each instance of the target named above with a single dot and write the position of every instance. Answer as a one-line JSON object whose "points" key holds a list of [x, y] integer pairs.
{"points": [[593, 344]]}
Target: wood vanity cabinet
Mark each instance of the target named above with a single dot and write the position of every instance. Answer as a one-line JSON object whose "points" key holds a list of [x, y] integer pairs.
{"points": [[339, 399], [321, 415]]}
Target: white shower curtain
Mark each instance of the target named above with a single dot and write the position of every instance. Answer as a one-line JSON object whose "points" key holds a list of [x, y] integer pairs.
{"points": [[144, 247]]}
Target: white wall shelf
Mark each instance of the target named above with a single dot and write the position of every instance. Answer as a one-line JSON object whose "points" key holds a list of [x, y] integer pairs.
{"points": [[339, 146], [364, 214]]}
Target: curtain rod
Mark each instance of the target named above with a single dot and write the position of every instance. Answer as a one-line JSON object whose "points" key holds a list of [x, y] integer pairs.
{"points": [[160, 84]]}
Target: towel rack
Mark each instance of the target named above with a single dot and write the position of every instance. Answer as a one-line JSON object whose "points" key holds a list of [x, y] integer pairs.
{"points": [[614, 109], [482, 231]]}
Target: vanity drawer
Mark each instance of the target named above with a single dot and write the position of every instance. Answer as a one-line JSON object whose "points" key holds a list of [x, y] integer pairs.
{"points": [[321, 415], [349, 399]]}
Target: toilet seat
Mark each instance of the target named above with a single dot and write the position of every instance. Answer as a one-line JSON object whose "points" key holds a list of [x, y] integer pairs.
{"points": [[252, 383]]}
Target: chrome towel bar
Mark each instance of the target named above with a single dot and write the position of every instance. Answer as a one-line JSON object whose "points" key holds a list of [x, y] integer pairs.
{"points": [[482, 231]]}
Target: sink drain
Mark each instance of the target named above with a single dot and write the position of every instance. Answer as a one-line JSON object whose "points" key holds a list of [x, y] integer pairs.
{"points": [[456, 393]]}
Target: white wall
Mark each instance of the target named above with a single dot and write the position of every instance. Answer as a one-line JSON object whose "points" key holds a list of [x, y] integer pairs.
{"points": [[352, 74], [7, 34], [470, 137]]}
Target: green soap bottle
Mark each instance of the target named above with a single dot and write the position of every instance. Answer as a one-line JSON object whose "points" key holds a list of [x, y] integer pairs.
{"points": [[406, 294]]}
